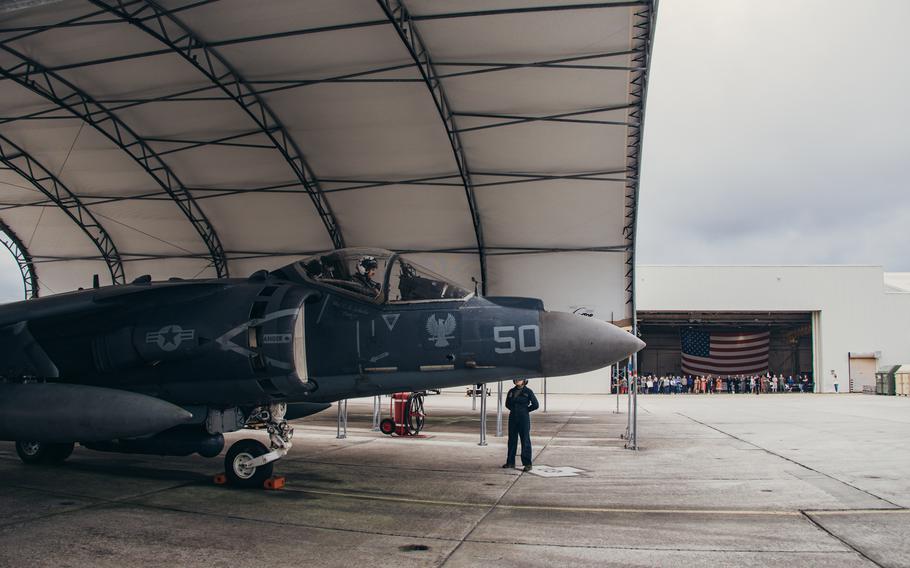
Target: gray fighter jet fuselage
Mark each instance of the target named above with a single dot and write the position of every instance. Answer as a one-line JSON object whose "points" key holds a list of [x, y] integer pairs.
{"points": [[167, 367]]}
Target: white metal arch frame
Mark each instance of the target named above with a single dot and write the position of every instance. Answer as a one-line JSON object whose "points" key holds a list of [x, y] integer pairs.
{"points": [[168, 29], [23, 259], [19, 161], [399, 16], [67, 96], [638, 92]]}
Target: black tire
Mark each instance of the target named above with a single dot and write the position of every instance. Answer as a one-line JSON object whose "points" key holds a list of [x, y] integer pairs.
{"points": [[387, 426], [32, 453], [240, 476]]}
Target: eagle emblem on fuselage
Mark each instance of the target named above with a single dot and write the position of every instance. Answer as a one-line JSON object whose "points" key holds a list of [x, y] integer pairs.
{"points": [[441, 331]]}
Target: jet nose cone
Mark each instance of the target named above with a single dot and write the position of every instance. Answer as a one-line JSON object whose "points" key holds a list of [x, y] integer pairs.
{"points": [[571, 344]]}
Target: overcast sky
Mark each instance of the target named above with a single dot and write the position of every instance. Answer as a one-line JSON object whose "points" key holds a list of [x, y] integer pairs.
{"points": [[777, 132]]}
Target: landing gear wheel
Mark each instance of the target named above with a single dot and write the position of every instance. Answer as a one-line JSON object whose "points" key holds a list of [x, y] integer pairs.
{"points": [[387, 426], [236, 468], [43, 452]]}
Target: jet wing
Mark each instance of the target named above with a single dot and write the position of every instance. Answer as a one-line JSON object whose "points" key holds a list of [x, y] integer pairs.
{"points": [[22, 355]]}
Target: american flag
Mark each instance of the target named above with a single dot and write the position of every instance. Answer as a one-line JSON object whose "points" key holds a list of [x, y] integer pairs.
{"points": [[713, 353]]}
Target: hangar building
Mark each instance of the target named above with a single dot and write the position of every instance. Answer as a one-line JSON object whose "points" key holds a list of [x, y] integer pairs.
{"points": [[845, 320], [851, 320]]}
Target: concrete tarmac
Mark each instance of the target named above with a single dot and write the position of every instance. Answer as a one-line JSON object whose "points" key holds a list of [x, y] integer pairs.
{"points": [[720, 480]]}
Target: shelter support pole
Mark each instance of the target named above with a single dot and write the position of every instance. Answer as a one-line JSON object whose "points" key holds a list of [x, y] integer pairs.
{"points": [[342, 430], [483, 415], [377, 413], [632, 443], [499, 410], [628, 404], [544, 394], [615, 372]]}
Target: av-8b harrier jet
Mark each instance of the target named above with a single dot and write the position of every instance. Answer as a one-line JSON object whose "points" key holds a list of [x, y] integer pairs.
{"points": [[167, 368]]}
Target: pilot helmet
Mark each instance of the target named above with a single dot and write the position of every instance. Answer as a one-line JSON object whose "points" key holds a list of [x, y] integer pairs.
{"points": [[366, 264], [522, 381]]}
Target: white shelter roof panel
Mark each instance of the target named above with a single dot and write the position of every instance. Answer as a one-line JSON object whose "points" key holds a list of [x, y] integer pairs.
{"points": [[538, 92], [45, 14], [17, 101], [164, 268], [87, 162], [15, 190], [226, 166], [564, 280], [517, 36], [230, 19], [187, 119], [47, 232], [245, 264], [589, 210], [56, 276], [356, 130], [266, 221], [146, 77], [153, 226], [318, 55], [435, 217], [546, 147], [64, 47]]}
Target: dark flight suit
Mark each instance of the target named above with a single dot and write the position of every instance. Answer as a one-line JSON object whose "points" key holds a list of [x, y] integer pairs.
{"points": [[521, 402], [367, 282]]}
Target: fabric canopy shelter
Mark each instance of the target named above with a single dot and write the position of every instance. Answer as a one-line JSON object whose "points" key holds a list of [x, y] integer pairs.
{"points": [[498, 139]]}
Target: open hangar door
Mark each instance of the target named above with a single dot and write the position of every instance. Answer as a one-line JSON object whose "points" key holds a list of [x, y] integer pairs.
{"points": [[790, 338]]}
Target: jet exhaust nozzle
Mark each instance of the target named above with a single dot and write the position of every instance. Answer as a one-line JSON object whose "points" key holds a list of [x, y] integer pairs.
{"points": [[55, 412]]}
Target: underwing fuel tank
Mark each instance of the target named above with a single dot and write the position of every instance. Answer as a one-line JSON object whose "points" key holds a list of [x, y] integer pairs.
{"points": [[55, 412]]}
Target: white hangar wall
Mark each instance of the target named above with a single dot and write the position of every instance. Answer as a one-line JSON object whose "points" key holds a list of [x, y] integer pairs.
{"points": [[853, 309]]}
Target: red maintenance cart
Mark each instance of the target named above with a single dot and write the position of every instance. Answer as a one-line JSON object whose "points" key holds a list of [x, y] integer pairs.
{"points": [[408, 416]]}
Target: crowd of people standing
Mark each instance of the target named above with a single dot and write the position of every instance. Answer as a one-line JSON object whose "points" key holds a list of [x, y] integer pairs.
{"points": [[752, 384]]}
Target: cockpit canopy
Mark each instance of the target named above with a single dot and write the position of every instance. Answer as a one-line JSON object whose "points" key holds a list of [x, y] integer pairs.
{"points": [[374, 274]]}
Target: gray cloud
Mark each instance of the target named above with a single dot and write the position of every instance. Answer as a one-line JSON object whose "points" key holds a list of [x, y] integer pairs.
{"points": [[777, 132], [10, 278]]}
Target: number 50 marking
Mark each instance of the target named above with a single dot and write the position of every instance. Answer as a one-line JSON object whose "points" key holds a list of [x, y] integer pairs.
{"points": [[528, 338]]}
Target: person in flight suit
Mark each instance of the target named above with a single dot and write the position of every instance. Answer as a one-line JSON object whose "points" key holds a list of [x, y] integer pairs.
{"points": [[366, 270], [521, 402]]}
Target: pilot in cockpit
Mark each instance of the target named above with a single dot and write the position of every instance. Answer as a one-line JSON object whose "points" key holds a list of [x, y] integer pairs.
{"points": [[366, 270]]}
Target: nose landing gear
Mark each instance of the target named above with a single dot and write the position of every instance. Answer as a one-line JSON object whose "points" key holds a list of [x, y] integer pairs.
{"points": [[248, 462]]}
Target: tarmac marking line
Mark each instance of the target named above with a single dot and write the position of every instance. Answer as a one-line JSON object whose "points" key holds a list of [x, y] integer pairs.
{"points": [[793, 461], [841, 540], [624, 510], [847, 512], [661, 549], [504, 493]]}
